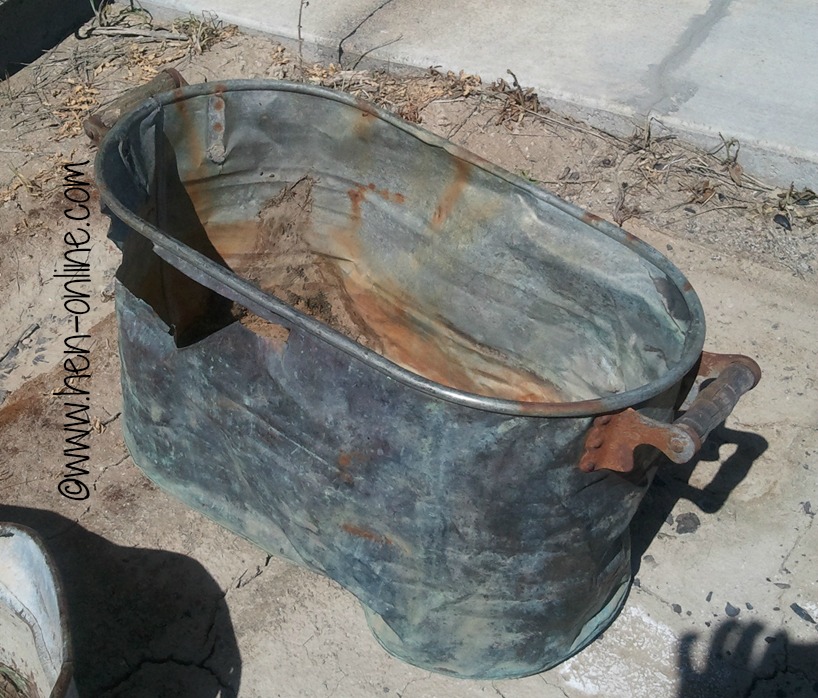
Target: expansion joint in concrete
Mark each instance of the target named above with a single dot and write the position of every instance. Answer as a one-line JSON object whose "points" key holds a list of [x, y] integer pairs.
{"points": [[497, 690], [782, 668], [553, 685]]}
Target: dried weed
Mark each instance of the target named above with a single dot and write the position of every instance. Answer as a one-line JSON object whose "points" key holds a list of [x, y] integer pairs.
{"points": [[669, 183], [204, 32], [120, 47], [406, 95]]}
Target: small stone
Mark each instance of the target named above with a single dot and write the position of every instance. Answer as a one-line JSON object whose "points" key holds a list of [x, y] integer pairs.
{"points": [[677, 608], [749, 606], [801, 613], [650, 559], [669, 520], [731, 610], [709, 596], [782, 585], [687, 523], [783, 221], [637, 582]]}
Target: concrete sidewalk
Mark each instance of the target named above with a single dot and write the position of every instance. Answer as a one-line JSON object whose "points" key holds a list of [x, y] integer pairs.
{"points": [[741, 68]]}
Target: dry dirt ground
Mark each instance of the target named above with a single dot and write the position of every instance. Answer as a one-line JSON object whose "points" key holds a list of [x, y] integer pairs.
{"points": [[164, 603]]}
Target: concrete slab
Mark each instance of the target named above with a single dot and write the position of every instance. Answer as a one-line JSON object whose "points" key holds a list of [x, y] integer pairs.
{"points": [[750, 79], [699, 67]]}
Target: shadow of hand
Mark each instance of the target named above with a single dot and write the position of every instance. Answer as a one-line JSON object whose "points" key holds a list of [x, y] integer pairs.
{"points": [[739, 663]]}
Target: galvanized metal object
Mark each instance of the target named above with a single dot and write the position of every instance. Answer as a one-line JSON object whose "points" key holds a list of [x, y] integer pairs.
{"points": [[448, 474], [35, 648]]}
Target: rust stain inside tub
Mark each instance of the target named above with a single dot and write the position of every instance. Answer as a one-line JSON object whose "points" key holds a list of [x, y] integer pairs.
{"points": [[451, 195], [326, 277]]}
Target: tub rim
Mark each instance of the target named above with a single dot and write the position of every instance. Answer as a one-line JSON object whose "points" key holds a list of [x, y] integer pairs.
{"points": [[229, 284]]}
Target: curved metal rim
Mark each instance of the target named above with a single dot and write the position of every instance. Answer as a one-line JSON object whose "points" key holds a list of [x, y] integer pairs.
{"points": [[63, 684], [227, 281]]}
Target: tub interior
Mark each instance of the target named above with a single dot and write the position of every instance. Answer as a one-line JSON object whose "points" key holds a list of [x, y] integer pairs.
{"points": [[441, 266]]}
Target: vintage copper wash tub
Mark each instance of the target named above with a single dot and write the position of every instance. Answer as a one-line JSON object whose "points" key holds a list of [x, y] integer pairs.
{"points": [[377, 355]]}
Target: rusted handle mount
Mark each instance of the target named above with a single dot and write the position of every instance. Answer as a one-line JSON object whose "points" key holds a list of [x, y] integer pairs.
{"points": [[612, 439], [99, 123]]}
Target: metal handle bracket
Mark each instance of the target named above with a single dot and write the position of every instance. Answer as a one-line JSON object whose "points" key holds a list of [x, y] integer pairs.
{"points": [[612, 438]]}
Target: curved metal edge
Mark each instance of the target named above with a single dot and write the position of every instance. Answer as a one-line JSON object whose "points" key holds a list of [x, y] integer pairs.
{"points": [[207, 270], [590, 631], [64, 686]]}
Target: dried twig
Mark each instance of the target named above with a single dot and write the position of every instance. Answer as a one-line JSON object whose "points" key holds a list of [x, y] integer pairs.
{"points": [[452, 133], [375, 48], [15, 347], [301, 5], [159, 34], [717, 208], [621, 212]]}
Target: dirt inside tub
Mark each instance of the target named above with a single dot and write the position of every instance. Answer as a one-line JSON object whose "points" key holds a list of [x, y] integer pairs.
{"points": [[331, 288]]}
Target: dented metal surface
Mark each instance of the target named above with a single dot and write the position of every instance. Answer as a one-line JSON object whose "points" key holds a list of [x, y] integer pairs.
{"points": [[433, 231], [431, 466]]}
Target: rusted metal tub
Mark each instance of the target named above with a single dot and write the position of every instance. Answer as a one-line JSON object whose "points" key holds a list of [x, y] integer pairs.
{"points": [[464, 457]]}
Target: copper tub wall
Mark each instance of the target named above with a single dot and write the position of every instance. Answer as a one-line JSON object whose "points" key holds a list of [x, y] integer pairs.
{"points": [[461, 521]]}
